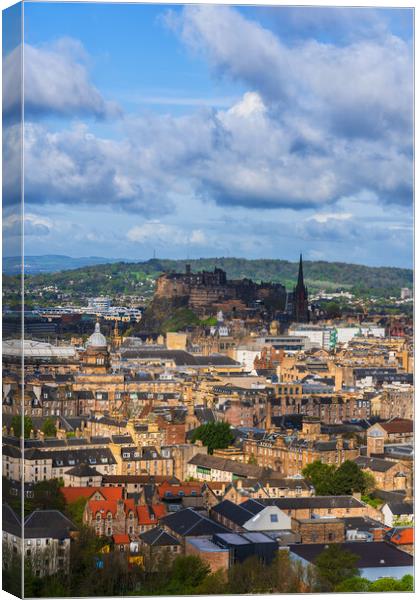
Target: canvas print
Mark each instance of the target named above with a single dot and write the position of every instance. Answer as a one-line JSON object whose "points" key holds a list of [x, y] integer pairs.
{"points": [[207, 299]]}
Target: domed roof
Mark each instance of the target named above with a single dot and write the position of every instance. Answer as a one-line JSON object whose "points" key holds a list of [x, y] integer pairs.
{"points": [[97, 339]]}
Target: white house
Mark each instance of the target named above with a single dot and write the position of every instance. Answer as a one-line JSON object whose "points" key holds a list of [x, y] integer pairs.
{"points": [[270, 518], [398, 513]]}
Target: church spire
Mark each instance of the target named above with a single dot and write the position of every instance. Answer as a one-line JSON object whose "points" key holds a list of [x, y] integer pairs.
{"points": [[300, 282], [300, 297]]}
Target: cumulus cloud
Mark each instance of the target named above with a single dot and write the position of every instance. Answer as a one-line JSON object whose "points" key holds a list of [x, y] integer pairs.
{"points": [[57, 82], [319, 122], [157, 232], [360, 89], [34, 225], [243, 156]]}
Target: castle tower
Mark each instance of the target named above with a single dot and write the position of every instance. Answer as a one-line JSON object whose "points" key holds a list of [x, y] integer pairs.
{"points": [[300, 298]]}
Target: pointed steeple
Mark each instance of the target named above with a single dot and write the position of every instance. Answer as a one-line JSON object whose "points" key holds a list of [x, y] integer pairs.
{"points": [[300, 283], [300, 297]]}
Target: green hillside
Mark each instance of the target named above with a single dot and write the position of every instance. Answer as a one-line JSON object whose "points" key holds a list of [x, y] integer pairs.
{"points": [[123, 278]]}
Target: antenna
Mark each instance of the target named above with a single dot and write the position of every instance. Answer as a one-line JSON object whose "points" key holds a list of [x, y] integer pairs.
{"points": [[154, 253]]}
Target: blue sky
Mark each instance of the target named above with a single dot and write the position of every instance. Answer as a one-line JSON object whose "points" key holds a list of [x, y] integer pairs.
{"points": [[213, 130]]}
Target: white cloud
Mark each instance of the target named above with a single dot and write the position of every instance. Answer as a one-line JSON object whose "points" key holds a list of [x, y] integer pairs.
{"points": [[162, 233], [362, 89], [324, 217], [56, 82], [34, 225]]}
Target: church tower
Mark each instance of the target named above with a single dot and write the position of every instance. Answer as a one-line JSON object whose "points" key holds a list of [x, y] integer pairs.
{"points": [[300, 298]]}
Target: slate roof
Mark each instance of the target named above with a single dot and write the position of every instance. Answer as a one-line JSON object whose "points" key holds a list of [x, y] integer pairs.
{"points": [[371, 555], [11, 451], [374, 464], [48, 524], [312, 502], [238, 514], [83, 470], [223, 464], [181, 358], [158, 537], [205, 415], [122, 439], [11, 521], [73, 457], [401, 508], [188, 522]]}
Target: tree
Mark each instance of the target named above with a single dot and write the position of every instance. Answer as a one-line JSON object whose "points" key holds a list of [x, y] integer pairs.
{"points": [[75, 510], [348, 478], [332, 309], [334, 565], [214, 583], [250, 577], [214, 435], [344, 480], [187, 573], [389, 584], [20, 422], [48, 428], [321, 476], [47, 495], [354, 584]]}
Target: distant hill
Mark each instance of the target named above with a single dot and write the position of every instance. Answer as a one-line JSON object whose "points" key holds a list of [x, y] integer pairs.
{"points": [[49, 263], [96, 275]]}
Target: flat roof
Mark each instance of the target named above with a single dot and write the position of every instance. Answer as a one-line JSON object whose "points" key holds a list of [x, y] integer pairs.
{"points": [[206, 545]]}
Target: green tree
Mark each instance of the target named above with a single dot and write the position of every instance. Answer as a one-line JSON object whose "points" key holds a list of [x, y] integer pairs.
{"points": [[344, 480], [47, 495], [321, 476], [250, 577], [354, 584], [48, 428], [332, 309], [187, 573], [75, 511], [389, 584], [335, 565], [214, 583], [348, 478], [18, 423], [214, 435]]}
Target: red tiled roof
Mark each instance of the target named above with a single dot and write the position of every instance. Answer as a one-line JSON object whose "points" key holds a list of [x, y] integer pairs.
{"points": [[186, 489], [149, 515], [403, 536], [106, 506], [71, 494], [121, 538], [103, 507]]}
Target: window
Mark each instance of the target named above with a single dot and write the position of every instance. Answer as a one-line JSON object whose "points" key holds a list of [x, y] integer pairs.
{"points": [[274, 518]]}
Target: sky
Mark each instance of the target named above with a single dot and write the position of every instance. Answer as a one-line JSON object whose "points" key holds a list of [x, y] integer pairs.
{"points": [[199, 131]]}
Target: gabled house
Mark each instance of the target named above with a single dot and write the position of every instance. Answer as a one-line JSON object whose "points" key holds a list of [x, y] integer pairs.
{"points": [[398, 513]]}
